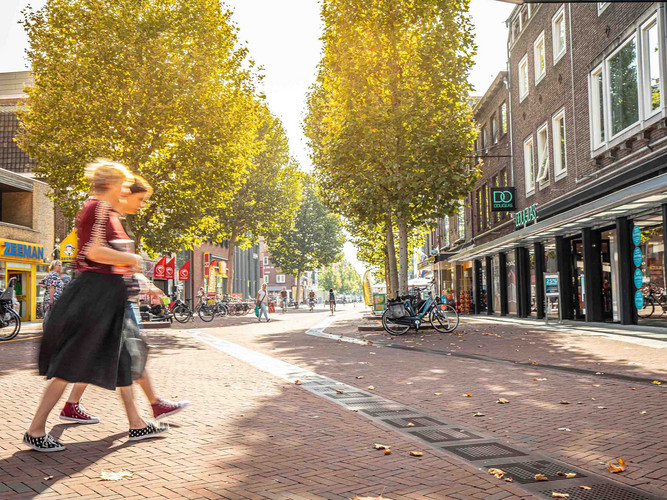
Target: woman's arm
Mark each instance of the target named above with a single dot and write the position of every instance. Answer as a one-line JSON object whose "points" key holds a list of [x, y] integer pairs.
{"points": [[109, 256]]}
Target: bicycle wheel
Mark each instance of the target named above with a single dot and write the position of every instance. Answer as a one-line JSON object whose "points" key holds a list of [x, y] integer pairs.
{"points": [[10, 326], [444, 318], [182, 313], [648, 308], [391, 326], [223, 312], [206, 313]]}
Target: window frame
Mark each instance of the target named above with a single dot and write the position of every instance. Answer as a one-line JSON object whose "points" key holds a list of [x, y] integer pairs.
{"points": [[267, 277], [461, 221], [602, 6], [524, 60], [502, 116], [540, 76], [543, 128], [645, 78], [281, 278], [558, 55], [530, 190], [597, 116], [480, 211], [265, 260], [494, 129], [640, 113], [555, 126]]}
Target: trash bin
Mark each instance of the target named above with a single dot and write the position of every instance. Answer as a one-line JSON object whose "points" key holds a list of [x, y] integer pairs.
{"points": [[272, 307]]}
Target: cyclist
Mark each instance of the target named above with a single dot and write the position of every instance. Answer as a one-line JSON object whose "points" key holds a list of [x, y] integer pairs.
{"points": [[311, 299], [283, 299], [332, 300]]}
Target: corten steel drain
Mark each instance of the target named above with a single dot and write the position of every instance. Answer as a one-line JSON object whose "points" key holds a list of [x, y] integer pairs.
{"points": [[450, 438]]}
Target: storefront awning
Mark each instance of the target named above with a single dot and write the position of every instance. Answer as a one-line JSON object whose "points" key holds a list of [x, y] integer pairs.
{"points": [[627, 202]]}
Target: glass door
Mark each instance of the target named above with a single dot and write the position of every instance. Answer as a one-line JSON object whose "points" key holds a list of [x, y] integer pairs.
{"points": [[578, 290], [22, 292]]}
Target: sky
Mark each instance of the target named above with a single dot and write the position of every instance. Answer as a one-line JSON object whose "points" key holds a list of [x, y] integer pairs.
{"points": [[283, 38]]}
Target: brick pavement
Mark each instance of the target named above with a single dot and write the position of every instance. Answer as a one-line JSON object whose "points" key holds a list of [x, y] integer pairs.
{"points": [[246, 435]]}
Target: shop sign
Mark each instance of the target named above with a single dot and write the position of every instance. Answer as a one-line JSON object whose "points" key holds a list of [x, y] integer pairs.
{"points": [[160, 268], [379, 302], [502, 199], [525, 216], [184, 272], [551, 285], [68, 247], [639, 278], [637, 257], [636, 235], [639, 299], [22, 250], [170, 269]]}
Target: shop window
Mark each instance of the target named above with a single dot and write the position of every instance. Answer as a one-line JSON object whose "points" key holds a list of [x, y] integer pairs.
{"points": [[558, 34], [652, 81], [528, 166], [559, 145], [16, 207], [495, 277], [511, 283], [539, 58], [523, 78], [543, 155], [503, 118], [623, 87], [653, 287]]}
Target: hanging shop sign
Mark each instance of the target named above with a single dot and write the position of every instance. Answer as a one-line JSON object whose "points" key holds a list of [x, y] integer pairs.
{"points": [[68, 247], [636, 235], [637, 257], [207, 263], [184, 272], [502, 199], [523, 217], [639, 278], [21, 250], [170, 269], [159, 272]]}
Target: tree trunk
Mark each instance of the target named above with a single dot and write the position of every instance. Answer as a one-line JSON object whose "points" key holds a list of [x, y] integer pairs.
{"points": [[403, 260], [298, 288], [230, 261], [392, 278], [386, 274]]}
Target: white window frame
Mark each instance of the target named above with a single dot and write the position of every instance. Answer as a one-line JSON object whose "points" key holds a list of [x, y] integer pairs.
{"points": [[644, 55], [560, 164], [526, 91], [502, 129], [461, 221], [539, 76], [598, 115], [495, 131], [602, 6], [640, 113], [543, 182], [266, 261], [529, 186], [280, 278], [266, 279], [557, 55]]}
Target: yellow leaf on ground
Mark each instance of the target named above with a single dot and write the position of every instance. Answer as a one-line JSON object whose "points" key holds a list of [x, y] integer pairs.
{"points": [[477, 414], [466, 395], [563, 402], [381, 446], [371, 388], [539, 379], [387, 452], [410, 424], [359, 377], [115, 476], [497, 473], [534, 363], [48, 478], [555, 494], [339, 391], [509, 479], [297, 382], [657, 382], [541, 477], [584, 487], [567, 474], [643, 412], [619, 466], [416, 454], [438, 393], [503, 401]]}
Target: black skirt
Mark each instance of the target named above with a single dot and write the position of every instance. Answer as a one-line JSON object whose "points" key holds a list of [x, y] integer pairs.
{"points": [[83, 339]]}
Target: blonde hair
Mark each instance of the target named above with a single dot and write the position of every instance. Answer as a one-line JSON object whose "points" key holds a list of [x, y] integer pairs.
{"points": [[140, 185], [54, 264], [103, 172]]}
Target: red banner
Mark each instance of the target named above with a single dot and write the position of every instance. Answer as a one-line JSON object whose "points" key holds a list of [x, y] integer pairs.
{"points": [[160, 269], [207, 263], [184, 272], [170, 270]]}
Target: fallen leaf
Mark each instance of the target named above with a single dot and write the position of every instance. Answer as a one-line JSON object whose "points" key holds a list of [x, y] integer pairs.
{"points": [[602, 407], [371, 388], [477, 414], [359, 377], [541, 477], [339, 341], [466, 395], [381, 446], [599, 373], [497, 473], [438, 393], [539, 379], [564, 429], [48, 478], [555, 494], [369, 342], [297, 382], [387, 452], [503, 401], [410, 424], [657, 382], [566, 474], [619, 466], [643, 412], [509, 479], [534, 363], [416, 454], [371, 353], [563, 402], [584, 487], [596, 385], [339, 391], [115, 476]]}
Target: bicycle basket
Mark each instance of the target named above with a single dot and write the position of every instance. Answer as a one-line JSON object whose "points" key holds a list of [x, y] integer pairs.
{"points": [[396, 310]]}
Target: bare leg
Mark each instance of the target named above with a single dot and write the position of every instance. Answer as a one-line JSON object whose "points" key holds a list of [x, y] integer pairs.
{"points": [[127, 395], [145, 383], [77, 392], [51, 396]]}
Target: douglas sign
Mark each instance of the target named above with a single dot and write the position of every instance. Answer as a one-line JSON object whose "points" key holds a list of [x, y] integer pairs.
{"points": [[502, 199]]}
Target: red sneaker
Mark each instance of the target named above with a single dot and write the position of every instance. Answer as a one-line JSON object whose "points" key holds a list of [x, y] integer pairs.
{"points": [[75, 412], [165, 408]]}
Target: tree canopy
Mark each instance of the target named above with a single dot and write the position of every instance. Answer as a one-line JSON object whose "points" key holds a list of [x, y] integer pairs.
{"points": [[342, 277]]}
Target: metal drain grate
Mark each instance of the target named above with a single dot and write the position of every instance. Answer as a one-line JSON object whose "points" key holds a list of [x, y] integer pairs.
{"points": [[403, 423], [598, 492], [375, 405], [399, 412], [444, 435], [321, 388], [524, 472], [484, 451], [349, 395]]}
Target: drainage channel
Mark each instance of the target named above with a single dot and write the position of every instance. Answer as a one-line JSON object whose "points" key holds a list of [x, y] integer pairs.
{"points": [[443, 436]]}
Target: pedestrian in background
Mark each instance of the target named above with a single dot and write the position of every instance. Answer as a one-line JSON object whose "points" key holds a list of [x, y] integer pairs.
{"points": [[54, 287], [262, 301]]}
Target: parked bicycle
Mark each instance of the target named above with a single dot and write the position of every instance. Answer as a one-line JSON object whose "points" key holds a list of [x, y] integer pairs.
{"points": [[208, 310], [181, 310], [655, 300], [409, 311], [10, 321]]}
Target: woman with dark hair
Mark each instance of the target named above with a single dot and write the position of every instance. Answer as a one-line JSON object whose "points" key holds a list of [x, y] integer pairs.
{"points": [[83, 339], [139, 192]]}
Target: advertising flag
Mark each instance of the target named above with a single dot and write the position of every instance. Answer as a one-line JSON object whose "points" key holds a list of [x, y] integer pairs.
{"points": [[184, 272], [159, 272], [68, 247], [170, 269]]}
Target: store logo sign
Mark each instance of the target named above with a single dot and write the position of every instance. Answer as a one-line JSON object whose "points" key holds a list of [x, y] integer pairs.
{"points": [[22, 250], [502, 199], [525, 216]]}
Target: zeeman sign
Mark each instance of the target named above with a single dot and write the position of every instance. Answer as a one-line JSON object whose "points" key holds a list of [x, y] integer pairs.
{"points": [[21, 250]]}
